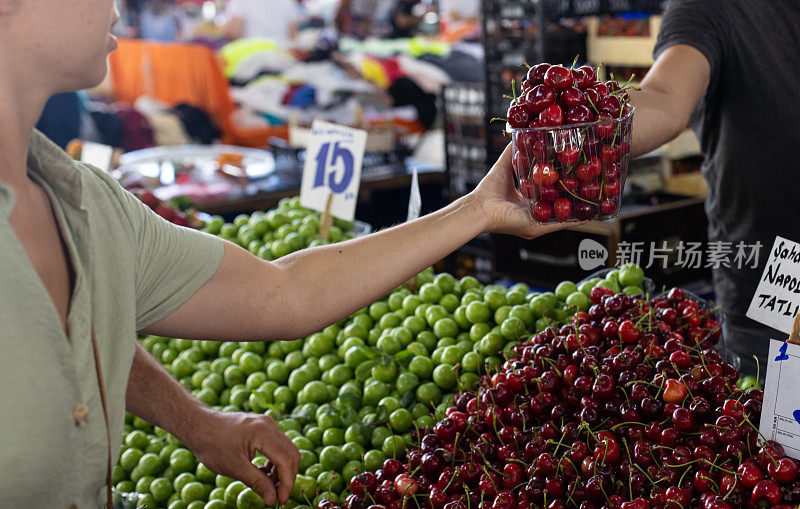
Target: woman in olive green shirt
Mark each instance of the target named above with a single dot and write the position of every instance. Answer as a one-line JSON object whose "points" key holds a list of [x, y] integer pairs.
{"points": [[80, 256]]}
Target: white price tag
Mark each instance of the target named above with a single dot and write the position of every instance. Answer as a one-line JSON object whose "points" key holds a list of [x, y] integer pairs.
{"points": [[333, 166], [780, 411], [415, 200], [97, 155], [777, 298]]}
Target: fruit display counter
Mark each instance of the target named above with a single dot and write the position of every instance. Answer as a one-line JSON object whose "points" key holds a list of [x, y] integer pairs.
{"points": [[349, 396], [451, 394]]}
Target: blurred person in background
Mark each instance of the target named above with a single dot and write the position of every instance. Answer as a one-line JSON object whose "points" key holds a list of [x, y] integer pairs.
{"points": [[404, 19], [267, 19], [160, 21]]}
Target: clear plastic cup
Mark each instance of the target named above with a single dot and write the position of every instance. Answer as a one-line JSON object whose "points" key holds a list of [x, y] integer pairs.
{"points": [[573, 173]]}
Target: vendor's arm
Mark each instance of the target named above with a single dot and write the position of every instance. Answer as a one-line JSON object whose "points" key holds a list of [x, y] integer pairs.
{"points": [[669, 94], [224, 442], [253, 299]]}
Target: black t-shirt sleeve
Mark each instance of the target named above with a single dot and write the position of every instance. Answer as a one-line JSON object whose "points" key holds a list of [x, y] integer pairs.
{"points": [[696, 23]]}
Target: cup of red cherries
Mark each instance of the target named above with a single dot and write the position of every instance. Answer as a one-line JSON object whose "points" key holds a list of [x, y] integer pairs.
{"points": [[571, 140]]}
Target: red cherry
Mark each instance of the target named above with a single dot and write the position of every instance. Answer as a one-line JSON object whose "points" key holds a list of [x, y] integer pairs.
{"points": [[733, 408], [611, 189], [584, 172], [590, 191], [690, 316], [628, 332], [674, 391], [638, 503], [571, 97], [612, 172], [607, 207], [682, 419], [601, 89], [681, 359], [544, 174], [558, 77], [568, 156], [592, 97], [552, 116], [538, 98], [766, 491], [606, 126], [610, 105], [542, 212], [563, 209], [548, 194], [518, 117], [584, 76], [512, 475], [750, 474], [405, 485], [537, 72], [609, 154], [569, 183], [784, 470], [579, 115], [583, 211]]}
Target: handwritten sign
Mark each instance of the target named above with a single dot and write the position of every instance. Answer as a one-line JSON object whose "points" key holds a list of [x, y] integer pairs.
{"points": [[96, 154], [777, 298], [781, 407], [415, 200], [333, 167]]}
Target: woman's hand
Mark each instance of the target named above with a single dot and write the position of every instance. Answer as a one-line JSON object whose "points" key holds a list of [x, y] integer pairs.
{"points": [[504, 209], [227, 442]]}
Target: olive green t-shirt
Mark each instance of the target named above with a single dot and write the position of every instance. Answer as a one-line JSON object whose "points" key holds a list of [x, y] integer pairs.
{"points": [[132, 269]]}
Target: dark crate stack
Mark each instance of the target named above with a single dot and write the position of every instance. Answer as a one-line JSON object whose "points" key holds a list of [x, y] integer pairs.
{"points": [[465, 136], [465, 149]]}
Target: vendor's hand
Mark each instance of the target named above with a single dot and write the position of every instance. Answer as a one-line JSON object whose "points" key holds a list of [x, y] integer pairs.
{"points": [[505, 210], [227, 442]]}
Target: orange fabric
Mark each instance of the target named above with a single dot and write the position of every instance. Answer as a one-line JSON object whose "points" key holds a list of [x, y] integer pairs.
{"points": [[458, 31], [182, 73]]}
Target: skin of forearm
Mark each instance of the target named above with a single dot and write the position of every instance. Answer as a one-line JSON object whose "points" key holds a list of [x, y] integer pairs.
{"points": [[149, 386], [669, 94], [359, 271], [654, 124]]}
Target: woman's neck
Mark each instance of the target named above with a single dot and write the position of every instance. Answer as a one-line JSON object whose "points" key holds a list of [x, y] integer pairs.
{"points": [[20, 109]]}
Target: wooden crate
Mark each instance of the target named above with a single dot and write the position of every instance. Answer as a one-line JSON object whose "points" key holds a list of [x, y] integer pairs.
{"points": [[623, 51]]}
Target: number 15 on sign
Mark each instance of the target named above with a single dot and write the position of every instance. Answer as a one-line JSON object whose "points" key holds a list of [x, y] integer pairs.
{"points": [[333, 167]]}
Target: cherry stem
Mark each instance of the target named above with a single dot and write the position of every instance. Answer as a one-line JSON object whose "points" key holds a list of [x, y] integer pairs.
{"points": [[575, 195]]}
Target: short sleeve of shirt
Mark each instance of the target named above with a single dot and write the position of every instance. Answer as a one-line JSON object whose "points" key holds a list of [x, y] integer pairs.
{"points": [[172, 262], [697, 23]]}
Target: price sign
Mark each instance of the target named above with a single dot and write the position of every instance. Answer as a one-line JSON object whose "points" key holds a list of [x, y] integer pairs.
{"points": [[777, 298], [333, 167], [97, 155], [415, 200], [780, 412]]}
